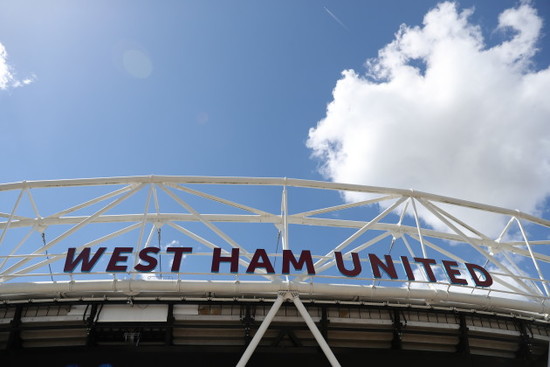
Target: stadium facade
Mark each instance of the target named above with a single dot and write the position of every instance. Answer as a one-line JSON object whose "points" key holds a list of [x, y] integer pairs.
{"points": [[229, 271]]}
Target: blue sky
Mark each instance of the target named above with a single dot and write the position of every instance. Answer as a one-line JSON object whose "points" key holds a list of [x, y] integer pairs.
{"points": [[233, 89], [451, 103]]}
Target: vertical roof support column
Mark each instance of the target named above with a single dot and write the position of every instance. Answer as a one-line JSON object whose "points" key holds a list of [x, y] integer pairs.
{"points": [[169, 332], [247, 320], [397, 330], [526, 344], [14, 338], [90, 324], [463, 345], [284, 209]]}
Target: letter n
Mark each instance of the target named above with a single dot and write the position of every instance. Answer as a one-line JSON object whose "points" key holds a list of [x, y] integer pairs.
{"points": [[388, 267]]}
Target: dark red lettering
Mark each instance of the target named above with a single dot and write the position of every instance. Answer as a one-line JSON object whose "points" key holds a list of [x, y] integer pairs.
{"points": [[116, 257], [84, 257], [151, 261], [481, 283], [260, 260], [408, 269], [217, 258], [453, 273], [178, 256], [305, 258], [427, 266], [388, 267], [342, 268]]}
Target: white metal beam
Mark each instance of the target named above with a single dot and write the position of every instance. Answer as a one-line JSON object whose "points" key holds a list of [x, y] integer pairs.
{"points": [[74, 229], [267, 182], [358, 233], [488, 256], [220, 200], [261, 331], [315, 331], [284, 214], [13, 211], [207, 223]]}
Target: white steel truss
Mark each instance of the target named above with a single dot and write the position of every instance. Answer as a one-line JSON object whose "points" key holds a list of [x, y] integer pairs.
{"points": [[205, 212]]}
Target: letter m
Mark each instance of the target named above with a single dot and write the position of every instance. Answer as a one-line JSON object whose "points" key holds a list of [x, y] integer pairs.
{"points": [[87, 264], [305, 258]]}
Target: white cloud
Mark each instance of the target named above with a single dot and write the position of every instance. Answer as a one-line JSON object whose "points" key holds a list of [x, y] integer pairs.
{"points": [[5, 74], [439, 111], [7, 77]]}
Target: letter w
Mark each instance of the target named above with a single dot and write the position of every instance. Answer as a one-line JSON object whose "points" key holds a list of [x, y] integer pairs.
{"points": [[84, 257]]}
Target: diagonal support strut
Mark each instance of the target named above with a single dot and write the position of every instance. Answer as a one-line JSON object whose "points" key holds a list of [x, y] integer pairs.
{"points": [[281, 297]]}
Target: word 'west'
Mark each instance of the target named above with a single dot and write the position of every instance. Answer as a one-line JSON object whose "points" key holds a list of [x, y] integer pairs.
{"points": [[260, 260]]}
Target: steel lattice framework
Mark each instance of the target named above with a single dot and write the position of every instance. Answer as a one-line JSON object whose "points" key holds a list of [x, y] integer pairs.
{"points": [[223, 212]]}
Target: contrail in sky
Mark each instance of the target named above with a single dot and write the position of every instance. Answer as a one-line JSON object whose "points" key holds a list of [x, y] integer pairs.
{"points": [[336, 18]]}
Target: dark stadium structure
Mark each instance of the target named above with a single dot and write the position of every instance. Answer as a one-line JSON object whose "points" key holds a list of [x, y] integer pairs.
{"points": [[216, 332], [206, 276]]}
